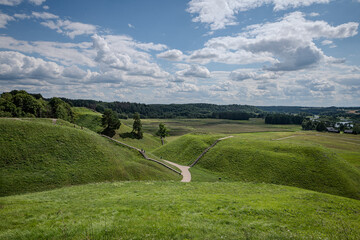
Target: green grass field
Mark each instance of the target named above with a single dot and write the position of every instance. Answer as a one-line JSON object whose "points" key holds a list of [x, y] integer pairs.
{"points": [[169, 210], [180, 127], [38, 155], [256, 157], [229, 197]]}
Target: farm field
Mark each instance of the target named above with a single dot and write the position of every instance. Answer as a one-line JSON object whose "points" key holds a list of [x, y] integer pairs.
{"points": [[171, 210]]}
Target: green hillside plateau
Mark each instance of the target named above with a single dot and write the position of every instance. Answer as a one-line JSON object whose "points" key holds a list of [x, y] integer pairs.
{"points": [[36, 154], [171, 210], [256, 158]]}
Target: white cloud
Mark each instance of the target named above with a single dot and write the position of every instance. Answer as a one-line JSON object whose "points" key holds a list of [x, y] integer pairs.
{"points": [[171, 55], [37, 2], [125, 55], [46, 7], [218, 14], [194, 71], [64, 53], [44, 15], [244, 74], [314, 14], [69, 28], [130, 25], [17, 2], [4, 19], [10, 2], [287, 44]]}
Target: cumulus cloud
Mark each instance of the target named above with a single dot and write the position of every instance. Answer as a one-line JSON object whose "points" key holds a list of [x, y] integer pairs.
{"points": [[44, 15], [4, 19], [69, 28], [218, 14], [244, 74], [64, 53], [287, 44], [126, 55], [171, 55], [194, 71]]}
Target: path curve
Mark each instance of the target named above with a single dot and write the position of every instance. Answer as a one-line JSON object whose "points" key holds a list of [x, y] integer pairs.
{"points": [[184, 171]]}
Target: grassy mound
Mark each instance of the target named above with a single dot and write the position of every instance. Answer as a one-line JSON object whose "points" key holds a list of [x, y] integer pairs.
{"points": [[87, 118], [251, 157], [37, 155], [187, 148], [148, 142], [164, 210]]}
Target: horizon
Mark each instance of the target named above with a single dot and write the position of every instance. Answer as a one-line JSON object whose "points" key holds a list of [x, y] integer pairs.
{"points": [[264, 53]]}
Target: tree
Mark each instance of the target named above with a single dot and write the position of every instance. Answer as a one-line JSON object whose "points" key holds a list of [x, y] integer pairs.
{"points": [[61, 109], [137, 126], [110, 122], [162, 132], [321, 127]]}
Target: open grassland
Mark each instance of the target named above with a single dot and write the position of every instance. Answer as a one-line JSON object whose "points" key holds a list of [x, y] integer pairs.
{"points": [[36, 155], [180, 127], [88, 118], [168, 210], [256, 157]]}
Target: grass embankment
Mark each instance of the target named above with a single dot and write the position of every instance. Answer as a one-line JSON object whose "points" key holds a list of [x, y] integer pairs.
{"points": [[164, 210], [36, 155], [88, 118], [256, 158], [187, 148]]}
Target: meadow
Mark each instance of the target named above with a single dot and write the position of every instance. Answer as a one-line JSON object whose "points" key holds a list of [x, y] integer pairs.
{"points": [[172, 210], [256, 185]]}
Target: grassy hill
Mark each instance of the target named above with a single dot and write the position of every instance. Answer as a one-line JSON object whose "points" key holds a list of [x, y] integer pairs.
{"points": [[256, 158], [165, 210], [36, 155], [88, 118]]}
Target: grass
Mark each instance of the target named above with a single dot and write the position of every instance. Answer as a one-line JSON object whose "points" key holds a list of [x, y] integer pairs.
{"points": [[256, 157], [148, 142], [187, 148], [180, 127], [88, 118], [167, 210], [36, 155]]}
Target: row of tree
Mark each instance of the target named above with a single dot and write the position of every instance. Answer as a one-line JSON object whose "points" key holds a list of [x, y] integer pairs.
{"points": [[282, 118], [22, 104], [197, 110]]}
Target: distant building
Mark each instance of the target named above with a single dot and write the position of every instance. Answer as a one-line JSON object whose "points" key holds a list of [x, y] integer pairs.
{"points": [[345, 123], [333, 130], [349, 131]]}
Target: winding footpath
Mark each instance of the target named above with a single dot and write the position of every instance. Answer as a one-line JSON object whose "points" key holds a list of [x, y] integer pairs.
{"points": [[184, 169]]}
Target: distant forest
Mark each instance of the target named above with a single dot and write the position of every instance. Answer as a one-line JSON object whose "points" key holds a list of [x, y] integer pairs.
{"points": [[195, 110]]}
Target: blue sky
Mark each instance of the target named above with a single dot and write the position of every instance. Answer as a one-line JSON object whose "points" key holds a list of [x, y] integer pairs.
{"points": [[264, 52]]}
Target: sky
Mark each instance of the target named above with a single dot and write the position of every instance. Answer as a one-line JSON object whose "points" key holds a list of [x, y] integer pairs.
{"points": [[256, 52]]}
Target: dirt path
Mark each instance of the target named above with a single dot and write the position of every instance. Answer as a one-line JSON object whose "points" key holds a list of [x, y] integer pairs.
{"points": [[184, 171], [206, 150], [283, 138]]}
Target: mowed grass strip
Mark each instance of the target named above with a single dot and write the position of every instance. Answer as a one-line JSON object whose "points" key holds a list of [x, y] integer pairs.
{"points": [[38, 155], [167, 210]]}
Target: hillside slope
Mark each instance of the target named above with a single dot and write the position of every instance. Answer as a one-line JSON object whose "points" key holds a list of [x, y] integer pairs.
{"points": [[87, 118], [36, 155], [166, 210], [248, 157]]}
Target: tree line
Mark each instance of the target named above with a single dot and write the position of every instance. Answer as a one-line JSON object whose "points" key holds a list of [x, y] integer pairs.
{"points": [[195, 110], [282, 118], [19, 103]]}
